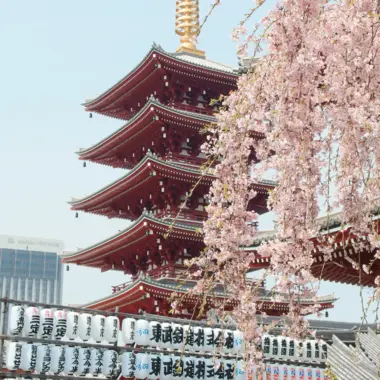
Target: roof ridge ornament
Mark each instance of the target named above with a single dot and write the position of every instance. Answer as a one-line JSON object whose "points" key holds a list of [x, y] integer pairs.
{"points": [[187, 26]]}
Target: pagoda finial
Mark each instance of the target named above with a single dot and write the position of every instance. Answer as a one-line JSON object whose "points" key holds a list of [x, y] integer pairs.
{"points": [[187, 26]]}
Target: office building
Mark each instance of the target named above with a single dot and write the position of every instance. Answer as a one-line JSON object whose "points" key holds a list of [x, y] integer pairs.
{"points": [[30, 269]]}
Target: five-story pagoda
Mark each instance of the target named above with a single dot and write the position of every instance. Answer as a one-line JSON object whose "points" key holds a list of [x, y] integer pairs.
{"points": [[165, 102]]}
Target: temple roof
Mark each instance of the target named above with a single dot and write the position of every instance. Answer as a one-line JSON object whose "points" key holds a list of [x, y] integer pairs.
{"points": [[149, 116], [155, 64], [165, 287], [345, 255], [98, 254], [359, 362], [128, 189]]}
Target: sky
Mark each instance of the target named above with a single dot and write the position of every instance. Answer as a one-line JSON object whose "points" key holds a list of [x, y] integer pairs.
{"points": [[55, 54]]}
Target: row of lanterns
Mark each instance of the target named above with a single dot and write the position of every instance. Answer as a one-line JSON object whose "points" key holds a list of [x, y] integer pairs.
{"points": [[48, 324], [290, 349], [286, 372], [43, 358], [47, 359]]}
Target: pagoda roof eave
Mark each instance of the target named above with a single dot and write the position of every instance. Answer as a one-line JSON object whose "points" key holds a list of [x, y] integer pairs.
{"points": [[145, 280], [199, 63], [105, 246], [147, 160], [146, 109]]}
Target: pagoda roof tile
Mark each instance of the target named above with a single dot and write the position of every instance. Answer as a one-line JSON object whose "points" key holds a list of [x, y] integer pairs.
{"points": [[148, 158], [151, 103], [197, 62], [163, 284], [144, 218]]}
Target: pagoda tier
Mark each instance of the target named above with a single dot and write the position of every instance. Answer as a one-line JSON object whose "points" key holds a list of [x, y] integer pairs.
{"points": [[149, 245], [160, 187], [178, 80], [146, 295], [349, 253], [167, 132], [131, 251]]}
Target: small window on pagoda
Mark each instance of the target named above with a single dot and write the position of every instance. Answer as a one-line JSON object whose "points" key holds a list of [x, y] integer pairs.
{"points": [[266, 345], [283, 347], [308, 350], [316, 352], [291, 348], [275, 347]]}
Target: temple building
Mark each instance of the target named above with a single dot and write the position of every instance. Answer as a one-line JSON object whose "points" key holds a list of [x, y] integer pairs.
{"points": [[164, 103]]}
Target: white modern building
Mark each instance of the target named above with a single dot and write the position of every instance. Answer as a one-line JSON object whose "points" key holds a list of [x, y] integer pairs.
{"points": [[30, 269]]}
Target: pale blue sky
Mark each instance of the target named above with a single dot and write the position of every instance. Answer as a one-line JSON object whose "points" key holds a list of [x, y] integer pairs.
{"points": [[54, 54]]}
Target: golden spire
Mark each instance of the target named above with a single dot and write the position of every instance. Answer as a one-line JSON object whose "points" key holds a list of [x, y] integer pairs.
{"points": [[187, 26]]}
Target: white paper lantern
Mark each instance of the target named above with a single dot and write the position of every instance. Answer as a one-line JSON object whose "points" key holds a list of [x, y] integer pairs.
{"points": [[300, 349], [16, 320], [71, 360], [84, 326], [284, 373], [238, 342], [166, 335], [128, 330], [275, 371], [142, 366], [142, 332], [309, 350], [155, 332], [177, 367], [188, 368], [177, 337], [209, 339], [166, 372], [188, 335], [317, 374], [57, 359], [46, 328], [275, 344], [218, 369], [199, 338], [109, 363], [229, 370], [239, 370], [265, 345], [283, 347], [292, 372], [97, 355], [59, 324], [98, 323], [200, 368], [308, 373], [28, 357], [31, 322], [268, 371], [218, 340], [13, 358], [72, 325], [111, 329], [292, 349], [84, 361], [154, 366], [228, 341], [43, 359], [128, 365], [300, 373], [323, 349], [209, 369]]}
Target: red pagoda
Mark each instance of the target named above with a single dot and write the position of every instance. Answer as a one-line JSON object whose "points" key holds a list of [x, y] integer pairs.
{"points": [[165, 102]]}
